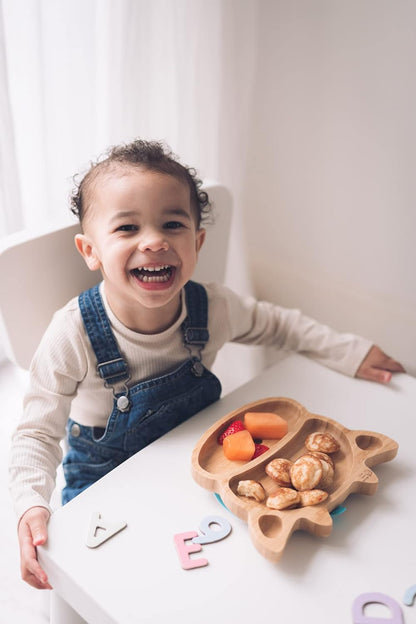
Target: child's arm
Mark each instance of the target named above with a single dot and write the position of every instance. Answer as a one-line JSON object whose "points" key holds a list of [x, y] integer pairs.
{"points": [[32, 532], [248, 321], [57, 368], [377, 366]]}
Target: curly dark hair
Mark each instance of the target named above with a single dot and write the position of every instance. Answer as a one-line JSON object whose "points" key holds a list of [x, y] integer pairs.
{"points": [[149, 155]]}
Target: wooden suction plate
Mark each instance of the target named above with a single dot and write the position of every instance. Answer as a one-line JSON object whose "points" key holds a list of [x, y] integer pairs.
{"points": [[270, 529]]}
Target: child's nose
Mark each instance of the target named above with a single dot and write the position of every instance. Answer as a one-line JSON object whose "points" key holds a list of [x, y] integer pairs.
{"points": [[153, 240]]}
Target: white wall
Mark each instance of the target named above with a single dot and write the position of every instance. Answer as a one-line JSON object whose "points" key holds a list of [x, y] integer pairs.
{"points": [[329, 214]]}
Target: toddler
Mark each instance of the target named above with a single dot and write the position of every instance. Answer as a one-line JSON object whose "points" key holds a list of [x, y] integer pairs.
{"points": [[130, 359]]}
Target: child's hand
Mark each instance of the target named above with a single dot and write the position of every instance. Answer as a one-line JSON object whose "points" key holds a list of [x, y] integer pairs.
{"points": [[377, 366], [32, 532]]}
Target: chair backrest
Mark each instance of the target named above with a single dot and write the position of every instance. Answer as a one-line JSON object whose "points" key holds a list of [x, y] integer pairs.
{"points": [[40, 272]]}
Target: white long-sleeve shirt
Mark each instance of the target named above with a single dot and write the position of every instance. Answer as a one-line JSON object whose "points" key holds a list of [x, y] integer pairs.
{"points": [[64, 380]]}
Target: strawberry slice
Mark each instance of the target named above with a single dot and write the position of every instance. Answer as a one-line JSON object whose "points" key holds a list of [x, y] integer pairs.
{"points": [[234, 427], [259, 450]]}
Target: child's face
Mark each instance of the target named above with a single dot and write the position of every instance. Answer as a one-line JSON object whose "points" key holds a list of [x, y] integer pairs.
{"points": [[140, 230]]}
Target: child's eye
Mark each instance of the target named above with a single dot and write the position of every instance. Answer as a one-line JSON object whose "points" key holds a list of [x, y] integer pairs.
{"points": [[173, 225], [128, 227]]}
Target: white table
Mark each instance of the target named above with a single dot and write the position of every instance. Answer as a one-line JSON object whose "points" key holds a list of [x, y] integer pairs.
{"points": [[136, 576]]}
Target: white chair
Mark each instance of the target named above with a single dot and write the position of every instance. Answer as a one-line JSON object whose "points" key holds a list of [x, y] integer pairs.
{"points": [[41, 271]]}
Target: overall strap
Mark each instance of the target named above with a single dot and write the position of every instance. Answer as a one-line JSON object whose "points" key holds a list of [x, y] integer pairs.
{"points": [[111, 366], [195, 326]]}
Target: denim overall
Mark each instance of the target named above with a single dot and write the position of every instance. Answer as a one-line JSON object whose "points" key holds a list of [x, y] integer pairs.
{"points": [[141, 412]]}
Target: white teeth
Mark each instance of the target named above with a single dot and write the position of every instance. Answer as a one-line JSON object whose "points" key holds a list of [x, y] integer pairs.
{"points": [[159, 268], [156, 278], [159, 273]]}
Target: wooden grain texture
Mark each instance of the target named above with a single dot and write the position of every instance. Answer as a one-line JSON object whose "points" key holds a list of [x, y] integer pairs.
{"points": [[270, 529]]}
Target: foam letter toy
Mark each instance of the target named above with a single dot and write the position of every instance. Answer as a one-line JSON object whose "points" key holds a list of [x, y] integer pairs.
{"points": [[101, 530], [184, 550], [409, 595], [210, 535], [364, 599]]}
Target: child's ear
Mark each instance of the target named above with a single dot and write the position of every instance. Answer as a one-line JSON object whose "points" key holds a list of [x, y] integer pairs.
{"points": [[200, 237], [86, 249]]}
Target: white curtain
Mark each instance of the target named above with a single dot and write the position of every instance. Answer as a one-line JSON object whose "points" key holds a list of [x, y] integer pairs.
{"points": [[84, 74], [80, 75], [10, 204]]}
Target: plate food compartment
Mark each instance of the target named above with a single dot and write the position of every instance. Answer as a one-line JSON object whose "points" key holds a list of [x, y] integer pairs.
{"points": [[270, 529]]}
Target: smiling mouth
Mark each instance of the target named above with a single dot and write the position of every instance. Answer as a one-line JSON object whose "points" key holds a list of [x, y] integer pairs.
{"points": [[153, 274]]}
